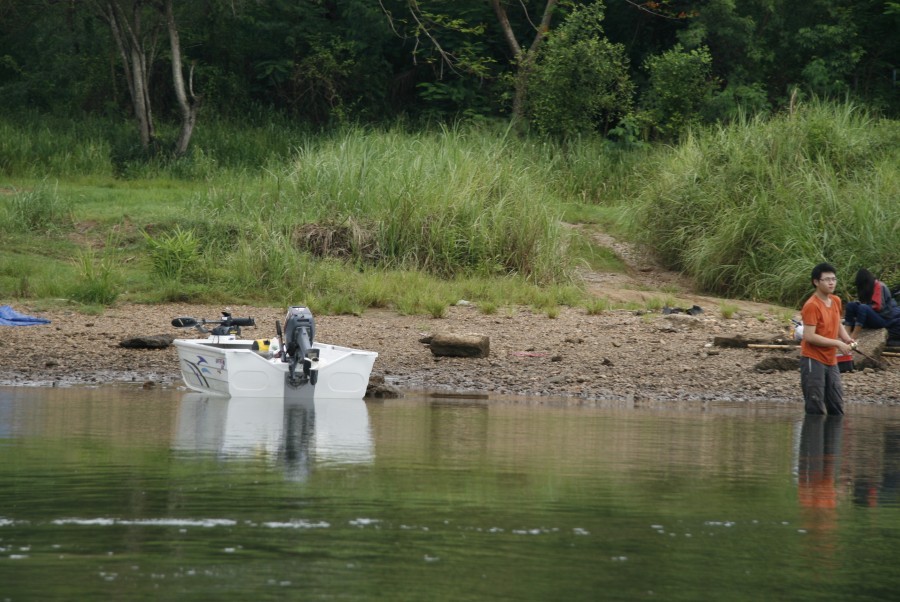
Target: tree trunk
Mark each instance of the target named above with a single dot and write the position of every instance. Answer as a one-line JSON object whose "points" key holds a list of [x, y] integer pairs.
{"points": [[523, 58], [134, 47], [188, 105]]}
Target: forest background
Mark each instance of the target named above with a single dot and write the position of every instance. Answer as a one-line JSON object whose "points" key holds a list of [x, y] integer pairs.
{"points": [[409, 153]]}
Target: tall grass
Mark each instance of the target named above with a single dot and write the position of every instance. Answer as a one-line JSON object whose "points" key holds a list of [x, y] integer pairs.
{"points": [[590, 169], [174, 254], [446, 202], [38, 209], [98, 281], [748, 209], [274, 211], [25, 276], [33, 145], [375, 217]]}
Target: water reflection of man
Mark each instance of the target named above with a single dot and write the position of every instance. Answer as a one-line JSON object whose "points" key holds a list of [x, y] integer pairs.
{"points": [[818, 468]]}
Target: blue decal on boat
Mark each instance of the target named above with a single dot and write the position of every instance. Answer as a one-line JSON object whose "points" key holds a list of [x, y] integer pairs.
{"points": [[198, 373]]}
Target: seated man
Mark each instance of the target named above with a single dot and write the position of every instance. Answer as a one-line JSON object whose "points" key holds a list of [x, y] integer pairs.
{"points": [[875, 308]]}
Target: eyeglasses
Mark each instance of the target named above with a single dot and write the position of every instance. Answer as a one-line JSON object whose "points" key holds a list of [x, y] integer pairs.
{"points": [[828, 279]]}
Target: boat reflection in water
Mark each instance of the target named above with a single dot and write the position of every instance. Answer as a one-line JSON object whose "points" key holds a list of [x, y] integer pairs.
{"points": [[298, 434]]}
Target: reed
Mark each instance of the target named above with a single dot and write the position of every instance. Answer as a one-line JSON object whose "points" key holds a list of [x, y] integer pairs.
{"points": [[98, 280], [40, 209], [748, 209], [447, 202]]}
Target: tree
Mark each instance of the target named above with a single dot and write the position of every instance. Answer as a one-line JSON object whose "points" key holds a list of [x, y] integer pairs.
{"points": [[319, 60], [434, 26], [781, 44], [188, 105], [681, 83], [523, 59], [137, 42], [136, 27], [579, 81]]}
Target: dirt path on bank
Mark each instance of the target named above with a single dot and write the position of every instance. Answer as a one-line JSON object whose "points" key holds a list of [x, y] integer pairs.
{"points": [[626, 356]]}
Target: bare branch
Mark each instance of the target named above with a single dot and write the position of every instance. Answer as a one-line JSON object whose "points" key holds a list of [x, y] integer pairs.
{"points": [[506, 28], [527, 16], [446, 57], [544, 27], [191, 81], [390, 19], [643, 6]]}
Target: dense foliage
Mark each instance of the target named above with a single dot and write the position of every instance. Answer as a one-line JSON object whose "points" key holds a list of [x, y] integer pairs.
{"points": [[322, 61], [580, 82], [322, 142]]}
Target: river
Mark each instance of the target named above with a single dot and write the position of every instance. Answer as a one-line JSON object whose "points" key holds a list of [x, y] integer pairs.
{"points": [[121, 493]]}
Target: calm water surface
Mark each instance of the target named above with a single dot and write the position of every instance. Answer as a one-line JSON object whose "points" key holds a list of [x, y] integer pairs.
{"points": [[124, 494]]}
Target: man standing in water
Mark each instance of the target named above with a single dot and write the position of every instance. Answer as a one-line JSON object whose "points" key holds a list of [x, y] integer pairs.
{"points": [[823, 334]]}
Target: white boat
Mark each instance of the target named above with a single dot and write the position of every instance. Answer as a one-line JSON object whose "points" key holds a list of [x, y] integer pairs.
{"points": [[300, 369]]}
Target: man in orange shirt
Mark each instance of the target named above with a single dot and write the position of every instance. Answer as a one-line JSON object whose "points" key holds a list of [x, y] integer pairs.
{"points": [[823, 335]]}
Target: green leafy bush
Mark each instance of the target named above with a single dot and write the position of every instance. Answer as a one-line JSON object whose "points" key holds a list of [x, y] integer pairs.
{"points": [[681, 83], [578, 57]]}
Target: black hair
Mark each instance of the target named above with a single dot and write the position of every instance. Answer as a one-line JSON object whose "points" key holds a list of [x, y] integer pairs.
{"points": [[821, 269], [865, 285]]}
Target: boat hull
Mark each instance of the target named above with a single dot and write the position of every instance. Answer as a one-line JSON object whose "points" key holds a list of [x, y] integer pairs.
{"points": [[231, 368]]}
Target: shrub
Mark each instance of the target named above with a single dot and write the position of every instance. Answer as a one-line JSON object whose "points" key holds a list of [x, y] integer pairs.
{"points": [[681, 83], [578, 57]]}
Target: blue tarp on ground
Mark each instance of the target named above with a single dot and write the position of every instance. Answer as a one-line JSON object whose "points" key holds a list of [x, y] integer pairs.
{"points": [[10, 317]]}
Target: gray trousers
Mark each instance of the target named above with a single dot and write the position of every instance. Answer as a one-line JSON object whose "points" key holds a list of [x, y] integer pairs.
{"points": [[822, 390]]}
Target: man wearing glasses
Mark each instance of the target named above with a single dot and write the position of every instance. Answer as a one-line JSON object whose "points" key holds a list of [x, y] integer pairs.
{"points": [[823, 335]]}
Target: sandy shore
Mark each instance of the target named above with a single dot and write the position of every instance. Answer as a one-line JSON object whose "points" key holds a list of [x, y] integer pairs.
{"points": [[575, 358]]}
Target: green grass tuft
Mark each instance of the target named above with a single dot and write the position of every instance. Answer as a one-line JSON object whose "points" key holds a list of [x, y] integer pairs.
{"points": [[748, 209]]}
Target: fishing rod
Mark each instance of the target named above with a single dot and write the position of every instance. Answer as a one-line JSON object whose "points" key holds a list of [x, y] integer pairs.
{"points": [[854, 346]]}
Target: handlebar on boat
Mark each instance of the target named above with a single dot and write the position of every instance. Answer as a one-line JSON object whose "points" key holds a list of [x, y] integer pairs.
{"points": [[241, 321]]}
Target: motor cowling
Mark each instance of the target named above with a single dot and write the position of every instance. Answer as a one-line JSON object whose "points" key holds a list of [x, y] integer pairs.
{"points": [[299, 335]]}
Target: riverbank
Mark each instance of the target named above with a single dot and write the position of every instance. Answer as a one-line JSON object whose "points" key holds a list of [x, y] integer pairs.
{"points": [[623, 355]]}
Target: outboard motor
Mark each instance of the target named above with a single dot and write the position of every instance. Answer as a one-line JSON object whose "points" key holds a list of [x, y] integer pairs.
{"points": [[299, 334]]}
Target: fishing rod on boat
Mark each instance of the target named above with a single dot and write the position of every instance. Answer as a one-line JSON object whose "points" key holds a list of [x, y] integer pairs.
{"points": [[226, 325]]}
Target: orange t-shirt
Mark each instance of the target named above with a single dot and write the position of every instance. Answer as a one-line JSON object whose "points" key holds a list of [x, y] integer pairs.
{"points": [[827, 321]]}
